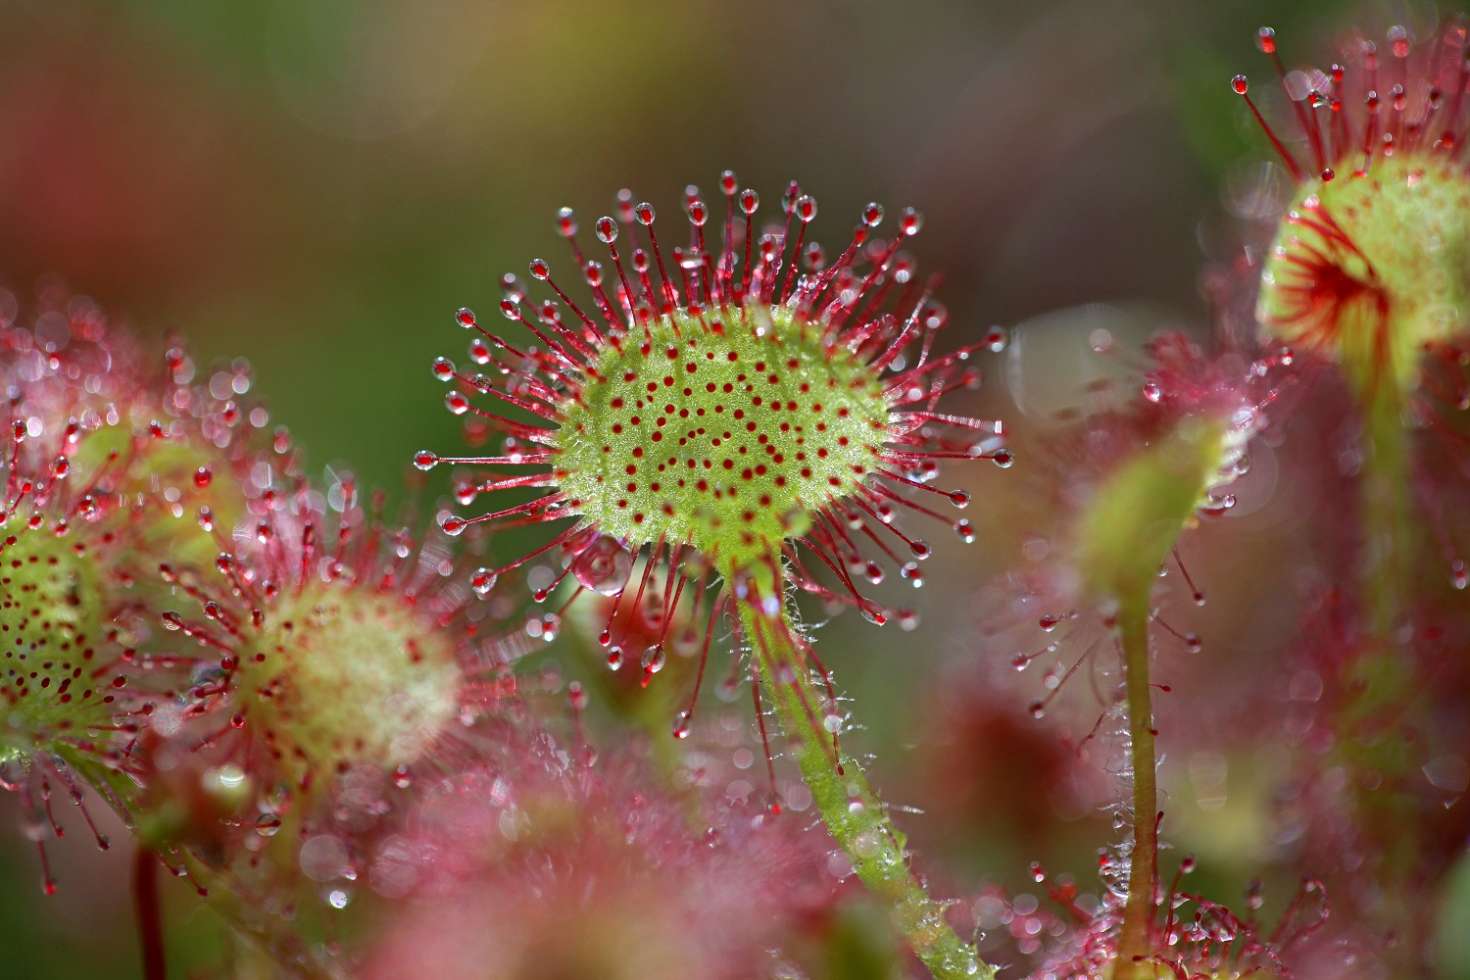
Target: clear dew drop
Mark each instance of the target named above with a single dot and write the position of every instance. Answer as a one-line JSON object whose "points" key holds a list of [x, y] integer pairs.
{"points": [[654, 659], [566, 222], [483, 580], [1459, 574], [603, 566]]}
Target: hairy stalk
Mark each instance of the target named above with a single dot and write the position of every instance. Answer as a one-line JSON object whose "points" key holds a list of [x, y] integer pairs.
{"points": [[1127, 533], [1134, 944], [148, 908], [1388, 522], [848, 805], [1382, 677], [1391, 541]]}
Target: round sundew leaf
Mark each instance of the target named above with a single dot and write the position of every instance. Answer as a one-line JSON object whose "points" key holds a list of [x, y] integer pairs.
{"points": [[341, 676], [724, 438]]}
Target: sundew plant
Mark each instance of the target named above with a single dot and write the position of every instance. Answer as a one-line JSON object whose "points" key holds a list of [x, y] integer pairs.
{"points": [[1022, 590]]}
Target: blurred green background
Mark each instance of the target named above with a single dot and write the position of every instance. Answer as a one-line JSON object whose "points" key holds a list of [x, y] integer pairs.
{"points": [[316, 186]]}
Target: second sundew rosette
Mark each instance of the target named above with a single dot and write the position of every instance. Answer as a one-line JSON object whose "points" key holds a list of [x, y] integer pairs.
{"points": [[1370, 270], [749, 415], [248, 669], [253, 668], [334, 660], [108, 447]]}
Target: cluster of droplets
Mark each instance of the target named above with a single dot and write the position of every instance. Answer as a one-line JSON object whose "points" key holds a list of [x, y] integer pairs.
{"points": [[1350, 114], [1190, 935]]}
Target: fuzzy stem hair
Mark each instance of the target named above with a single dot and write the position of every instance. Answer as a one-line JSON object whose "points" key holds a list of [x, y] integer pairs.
{"points": [[1134, 943], [848, 805]]}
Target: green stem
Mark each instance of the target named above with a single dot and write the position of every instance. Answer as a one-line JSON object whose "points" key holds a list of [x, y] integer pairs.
{"points": [[1134, 942], [1388, 523], [1381, 678], [851, 810]]}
